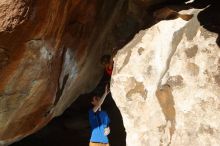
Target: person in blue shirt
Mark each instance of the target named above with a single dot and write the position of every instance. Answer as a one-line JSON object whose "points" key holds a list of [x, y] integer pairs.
{"points": [[99, 121]]}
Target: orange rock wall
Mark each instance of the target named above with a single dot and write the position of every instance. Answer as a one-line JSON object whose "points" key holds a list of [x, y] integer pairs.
{"points": [[31, 57]]}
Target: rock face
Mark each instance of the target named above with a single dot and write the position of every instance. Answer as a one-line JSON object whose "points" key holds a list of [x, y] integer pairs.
{"points": [[49, 55], [166, 85]]}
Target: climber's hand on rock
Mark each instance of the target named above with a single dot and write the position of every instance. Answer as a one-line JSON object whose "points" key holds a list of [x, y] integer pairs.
{"points": [[107, 90]]}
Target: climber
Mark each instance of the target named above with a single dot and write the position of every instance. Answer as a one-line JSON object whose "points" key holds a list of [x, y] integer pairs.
{"points": [[107, 62], [99, 121]]}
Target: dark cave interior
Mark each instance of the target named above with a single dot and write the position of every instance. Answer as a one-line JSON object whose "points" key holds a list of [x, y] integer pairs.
{"points": [[72, 128]]}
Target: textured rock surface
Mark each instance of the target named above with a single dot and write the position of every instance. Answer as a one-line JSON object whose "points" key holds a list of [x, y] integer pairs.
{"points": [[166, 85], [49, 55], [50, 50], [45, 57]]}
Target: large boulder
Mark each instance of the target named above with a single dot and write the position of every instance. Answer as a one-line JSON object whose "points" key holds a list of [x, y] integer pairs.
{"points": [[166, 83]]}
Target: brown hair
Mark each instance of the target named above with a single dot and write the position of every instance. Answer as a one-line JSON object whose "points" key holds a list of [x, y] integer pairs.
{"points": [[105, 59]]}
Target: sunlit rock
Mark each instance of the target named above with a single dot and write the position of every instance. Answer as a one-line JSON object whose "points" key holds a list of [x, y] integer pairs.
{"points": [[166, 85]]}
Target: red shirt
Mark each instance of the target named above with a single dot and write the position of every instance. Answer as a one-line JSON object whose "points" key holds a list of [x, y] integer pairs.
{"points": [[108, 70]]}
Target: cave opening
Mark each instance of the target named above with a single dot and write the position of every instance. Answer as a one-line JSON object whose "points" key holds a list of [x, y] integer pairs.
{"points": [[72, 127]]}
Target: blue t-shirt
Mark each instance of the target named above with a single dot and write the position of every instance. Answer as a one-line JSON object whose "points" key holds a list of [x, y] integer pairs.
{"points": [[98, 122]]}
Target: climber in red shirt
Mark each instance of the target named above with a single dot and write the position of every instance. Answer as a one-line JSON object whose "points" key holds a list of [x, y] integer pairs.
{"points": [[107, 62]]}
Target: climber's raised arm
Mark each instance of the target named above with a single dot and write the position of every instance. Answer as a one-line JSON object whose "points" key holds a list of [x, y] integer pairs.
{"points": [[97, 101]]}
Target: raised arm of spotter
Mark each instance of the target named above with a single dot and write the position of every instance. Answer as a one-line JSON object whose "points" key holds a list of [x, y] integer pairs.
{"points": [[107, 90]]}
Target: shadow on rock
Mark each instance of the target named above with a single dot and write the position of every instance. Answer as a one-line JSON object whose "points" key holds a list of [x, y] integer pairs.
{"points": [[209, 18]]}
